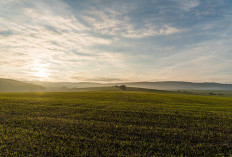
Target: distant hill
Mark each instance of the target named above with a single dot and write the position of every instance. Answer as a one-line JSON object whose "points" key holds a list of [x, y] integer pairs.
{"points": [[66, 86], [8, 85], [113, 88], [175, 85], [165, 85]]}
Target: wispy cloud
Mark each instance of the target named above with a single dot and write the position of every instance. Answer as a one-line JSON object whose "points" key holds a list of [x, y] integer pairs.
{"points": [[113, 23], [115, 40], [187, 5], [99, 79]]}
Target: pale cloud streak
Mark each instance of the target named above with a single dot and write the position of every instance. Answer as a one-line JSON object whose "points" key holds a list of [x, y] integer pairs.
{"points": [[111, 22], [115, 40], [49, 37]]}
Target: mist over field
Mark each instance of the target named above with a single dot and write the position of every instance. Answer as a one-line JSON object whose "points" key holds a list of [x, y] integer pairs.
{"points": [[115, 78], [8, 85]]}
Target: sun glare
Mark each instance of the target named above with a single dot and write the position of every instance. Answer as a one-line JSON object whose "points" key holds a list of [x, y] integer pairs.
{"points": [[40, 70]]}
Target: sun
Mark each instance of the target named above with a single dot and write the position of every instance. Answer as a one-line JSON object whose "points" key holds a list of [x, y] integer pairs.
{"points": [[40, 70]]}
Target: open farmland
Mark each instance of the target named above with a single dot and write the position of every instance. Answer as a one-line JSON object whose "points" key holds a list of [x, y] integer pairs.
{"points": [[114, 123]]}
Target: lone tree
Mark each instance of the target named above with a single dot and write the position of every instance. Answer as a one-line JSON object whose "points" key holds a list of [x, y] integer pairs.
{"points": [[122, 87]]}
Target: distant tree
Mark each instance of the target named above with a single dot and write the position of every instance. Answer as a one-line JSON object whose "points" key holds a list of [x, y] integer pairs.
{"points": [[122, 87], [210, 93]]}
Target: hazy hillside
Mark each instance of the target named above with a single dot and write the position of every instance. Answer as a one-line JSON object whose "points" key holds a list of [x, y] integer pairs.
{"points": [[7, 85], [113, 88], [54, 85], [165, 85], [175, 85]]}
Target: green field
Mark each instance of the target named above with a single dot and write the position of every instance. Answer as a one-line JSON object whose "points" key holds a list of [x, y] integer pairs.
{"points": [[114, 124]]}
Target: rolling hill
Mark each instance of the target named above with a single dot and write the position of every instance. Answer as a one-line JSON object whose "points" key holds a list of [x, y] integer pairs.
{"points": [[165, 85], [8, 85], [178, 85], [113, 88]]}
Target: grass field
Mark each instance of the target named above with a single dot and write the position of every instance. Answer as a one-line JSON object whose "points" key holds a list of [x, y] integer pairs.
{"points": [[114, 123]]}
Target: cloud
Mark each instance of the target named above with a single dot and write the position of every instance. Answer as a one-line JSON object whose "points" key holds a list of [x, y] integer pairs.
{"points": [[49, 37], [111, 22], [150, 31], [110, 40], [187, 5], [203, 61], [99, 79]]}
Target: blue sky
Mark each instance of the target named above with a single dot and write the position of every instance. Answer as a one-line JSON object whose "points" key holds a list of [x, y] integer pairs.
{"points": [[116, 40]]}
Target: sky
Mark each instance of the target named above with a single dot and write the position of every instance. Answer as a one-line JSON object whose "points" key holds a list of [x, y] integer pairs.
{"points": [[116, 40]]}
